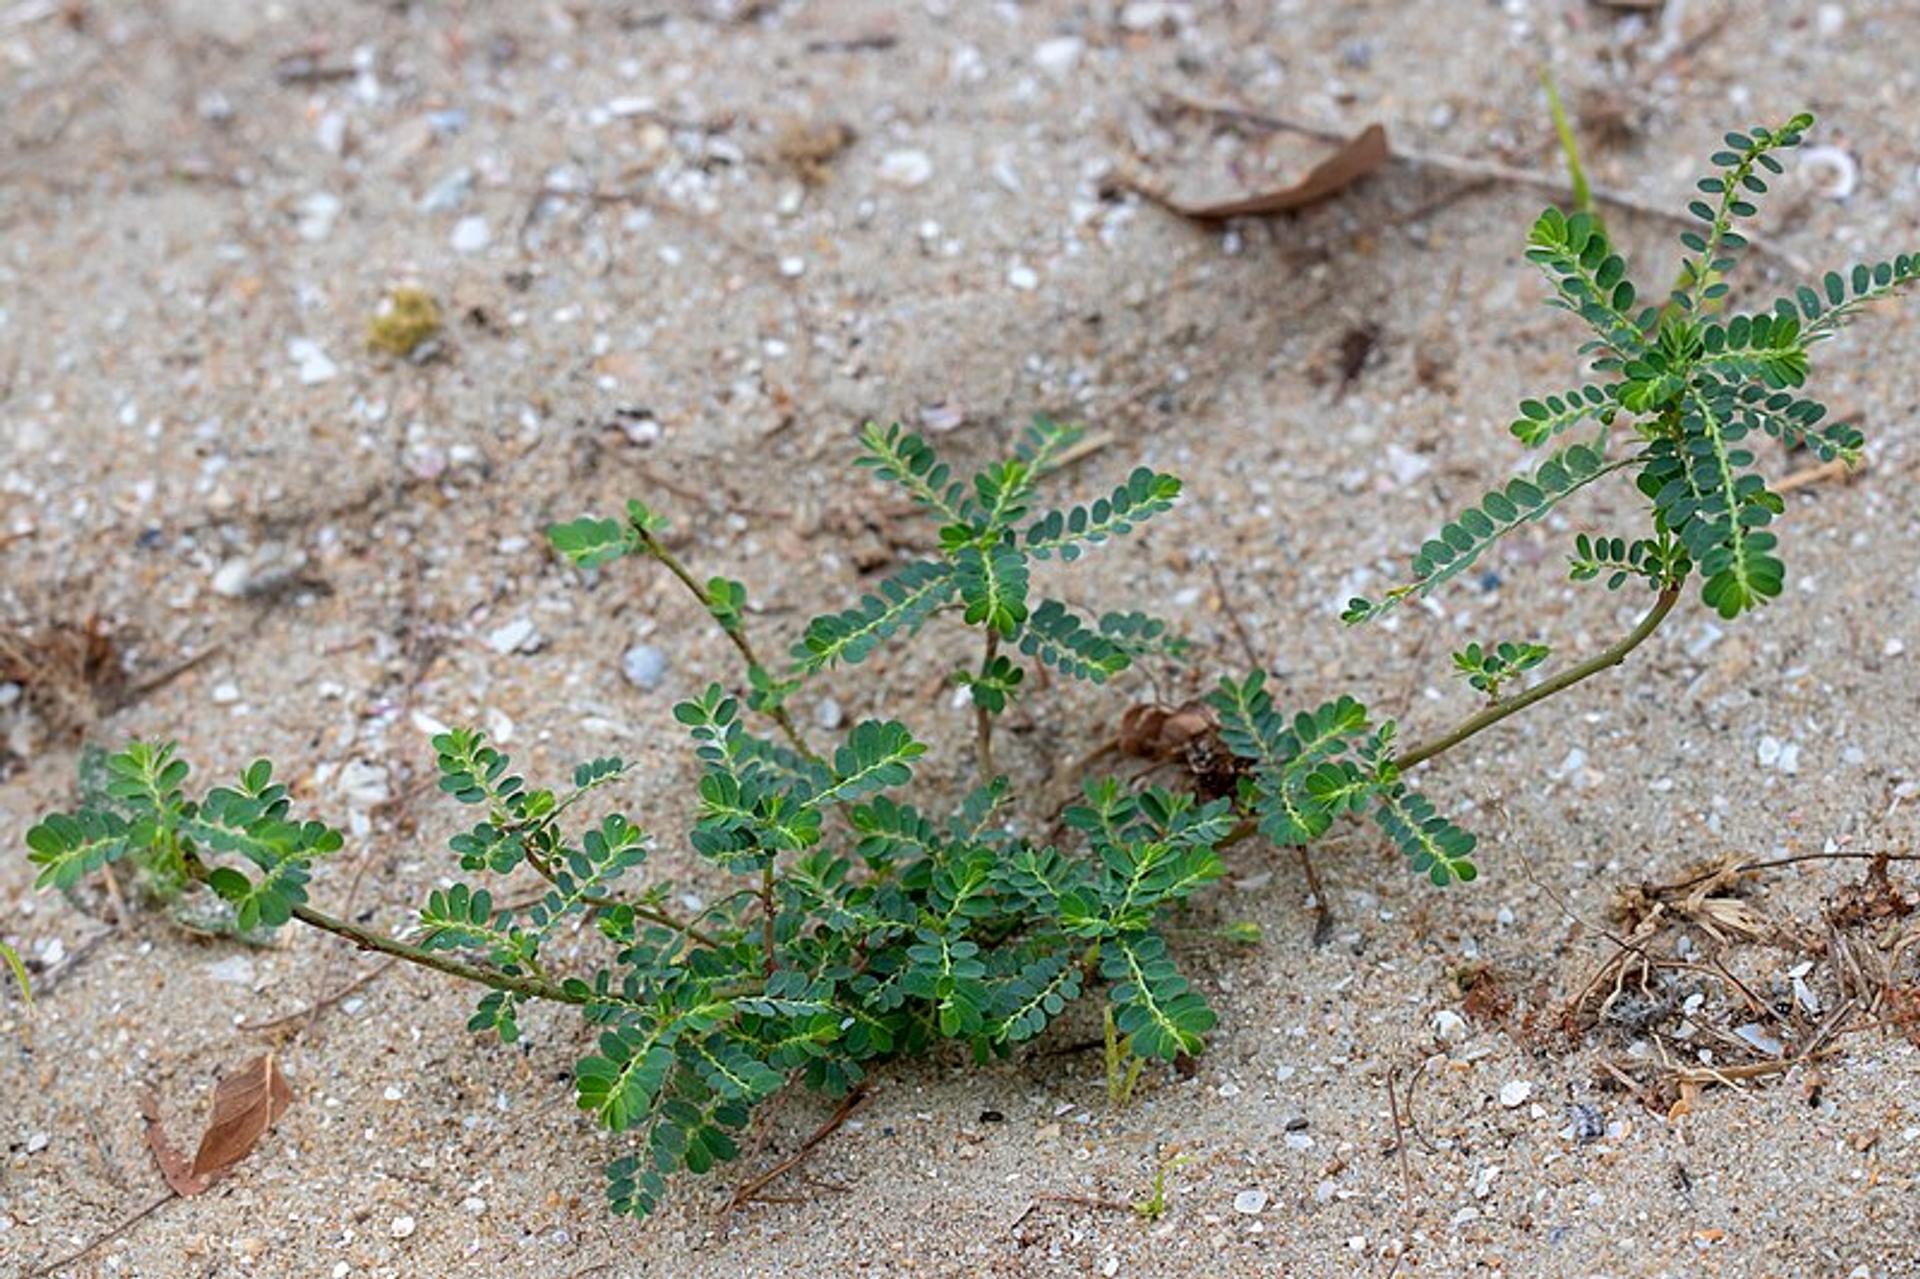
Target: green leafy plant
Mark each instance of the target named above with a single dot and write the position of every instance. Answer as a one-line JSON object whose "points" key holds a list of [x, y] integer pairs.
{"points": [[870, 919], [1488, 668]]}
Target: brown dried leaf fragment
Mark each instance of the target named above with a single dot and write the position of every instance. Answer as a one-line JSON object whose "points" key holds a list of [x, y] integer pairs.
{"points": [[1359, 156], [245, 1106]]}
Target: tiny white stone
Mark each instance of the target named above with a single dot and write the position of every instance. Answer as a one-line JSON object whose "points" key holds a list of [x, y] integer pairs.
{"points": [[1893, 647], [427, 724], [1250, 1203], [234, 970], [909, 167], [793, 267], [1514, 1093], [231, 578], [516, 636], [1059, 56], [644, 666], [312, 362], [1023, 277], [402, 1227], [1449, 1027], [37, 1143], [470, 234], [827, 713], [474, 1205], [226, 693], [1406, 467], [317, 213]]}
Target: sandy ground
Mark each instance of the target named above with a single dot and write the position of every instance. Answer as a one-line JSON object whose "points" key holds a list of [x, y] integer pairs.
{"points": [[656, 284]]}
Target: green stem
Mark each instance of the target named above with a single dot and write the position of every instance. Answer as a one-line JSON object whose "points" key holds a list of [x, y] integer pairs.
{"points": [[766, 913], [1611, 656], [982, 718], [737, 634], [653, 914], [369, 939]]}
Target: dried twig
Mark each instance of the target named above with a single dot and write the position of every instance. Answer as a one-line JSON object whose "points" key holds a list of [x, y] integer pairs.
{"points": [[748, 1191]]}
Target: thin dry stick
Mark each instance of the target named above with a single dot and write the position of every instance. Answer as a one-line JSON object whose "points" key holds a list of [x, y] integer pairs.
{"points": [[1232, 611], [854, 1100], [312, 1011], [1399, 1136], [104, 1237], [1772, 862], [1838, 469]]}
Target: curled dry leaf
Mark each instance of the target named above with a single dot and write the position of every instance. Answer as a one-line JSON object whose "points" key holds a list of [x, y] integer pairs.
{"points": [[1355, 159], [245, 1106]]}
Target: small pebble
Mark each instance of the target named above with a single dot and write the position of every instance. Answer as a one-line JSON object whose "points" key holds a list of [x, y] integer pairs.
{"points": [[793, 268], [1449, 1027], [225, 693], [1514, 1093], [906, 168], [312, 362], [1250, 1203], [402, 1227], [1023, 278], [644, 666], [470, 235], [1059, 56], [317, 214], [827, 713], [37, 1143], [449, 193], [517, 636]]}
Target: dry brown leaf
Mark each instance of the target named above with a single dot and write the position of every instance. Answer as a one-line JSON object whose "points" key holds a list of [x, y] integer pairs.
{"points": [[245, 1105], [1358, 157], [173, 1165]]}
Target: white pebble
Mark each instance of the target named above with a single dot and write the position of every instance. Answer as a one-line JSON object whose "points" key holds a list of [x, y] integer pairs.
{"points": [[402, 1227], [449, 193], [470, 234], [226, 693], [317, 212], [37, 1143], [1023, 277], [792, 267], [644, 666], [312, 362], [906, 168], [518, 635], [1449, 1027], [1059, 56], [827, 713], [1514, 1093], [1250, 1203]]}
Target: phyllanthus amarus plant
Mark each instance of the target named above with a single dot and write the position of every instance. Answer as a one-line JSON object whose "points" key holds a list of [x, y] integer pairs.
{"points": [[868, 924]]}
